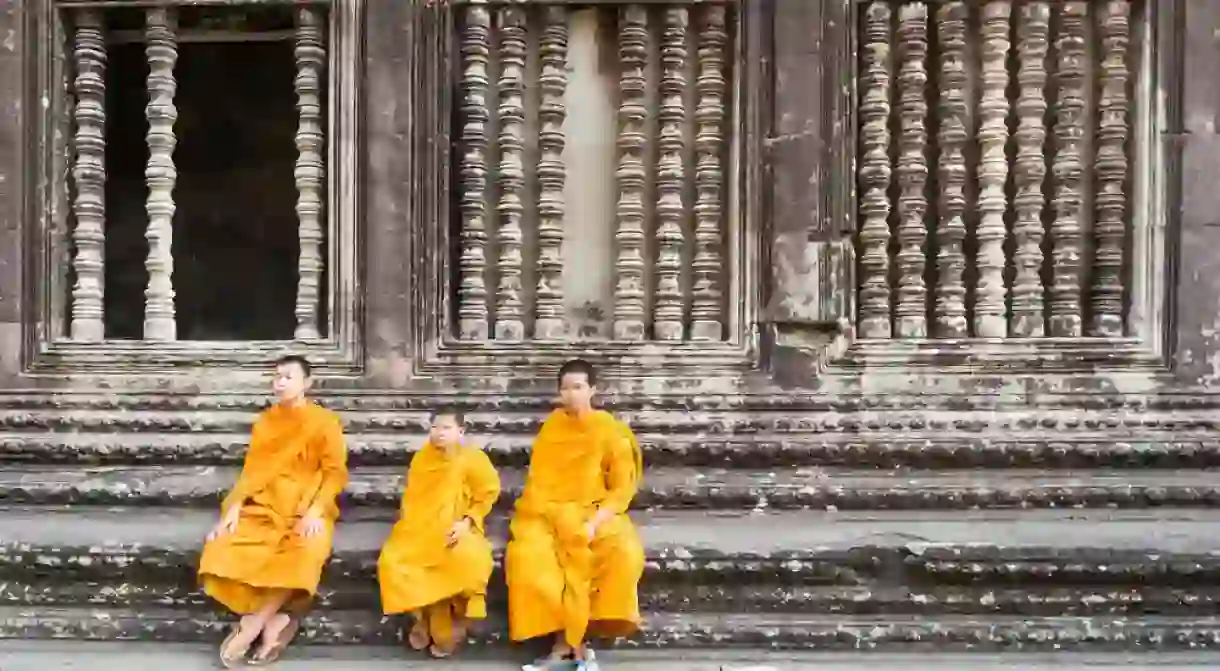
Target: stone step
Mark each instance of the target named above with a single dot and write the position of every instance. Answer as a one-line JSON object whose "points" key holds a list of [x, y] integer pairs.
{"points": [[1164, 548], [49, 655], [664, 487], [1047, 449], [687, 420], [672, 630], [873, 599]]}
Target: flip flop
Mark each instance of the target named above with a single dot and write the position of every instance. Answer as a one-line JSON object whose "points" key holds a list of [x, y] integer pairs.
{"points": [[232, 662], [281, 643]]}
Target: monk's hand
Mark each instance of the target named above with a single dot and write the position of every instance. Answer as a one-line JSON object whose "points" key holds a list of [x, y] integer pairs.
{"points": [[227, 523], [310, 525], [599, 518], [458, 532]]}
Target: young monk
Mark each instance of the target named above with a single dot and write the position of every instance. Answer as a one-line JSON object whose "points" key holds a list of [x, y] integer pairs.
{"points": [[436, 562], [574, 560], [265, 556]]}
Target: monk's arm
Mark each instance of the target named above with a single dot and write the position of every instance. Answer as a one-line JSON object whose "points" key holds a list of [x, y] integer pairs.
{"points": [[622, 476], [484, 484], [333, 464], [237, 495]]}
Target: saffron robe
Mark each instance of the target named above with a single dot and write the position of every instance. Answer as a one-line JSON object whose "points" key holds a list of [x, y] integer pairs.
{"points": [[416, 567], [559, 580], [297, 463]]}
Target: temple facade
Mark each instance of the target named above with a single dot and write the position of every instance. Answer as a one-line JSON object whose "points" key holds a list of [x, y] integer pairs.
{"points": [[899, 275]]}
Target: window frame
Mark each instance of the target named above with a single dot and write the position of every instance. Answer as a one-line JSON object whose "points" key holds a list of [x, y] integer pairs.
{"points": [[48, 348]]}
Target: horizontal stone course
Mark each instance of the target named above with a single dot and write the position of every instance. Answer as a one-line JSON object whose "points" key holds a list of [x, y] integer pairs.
{"points": [[664, 487], [777, 631], [884, 450]]}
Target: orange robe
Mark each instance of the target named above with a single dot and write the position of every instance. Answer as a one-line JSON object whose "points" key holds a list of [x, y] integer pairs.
{"points": [[297, 463], [559, 580], [416, 568]]}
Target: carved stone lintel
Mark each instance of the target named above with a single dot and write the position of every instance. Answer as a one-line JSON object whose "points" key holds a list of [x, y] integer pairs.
{"points": [[549, 321], [952, 137], [1110, 168], [89, 176], [707, 295], [633, 144], [1033, 33], [667, 320], [472, 175], [510, 308], [161, 50], [310, 55], [875, 171], [1067, 170], [990, 292], [910, 311]]}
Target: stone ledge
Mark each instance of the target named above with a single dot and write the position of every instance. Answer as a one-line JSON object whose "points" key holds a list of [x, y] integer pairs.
{"points": [[670, 630], [665, 487], [143, 656], [874, 599], [881, 449], [687, 422]]}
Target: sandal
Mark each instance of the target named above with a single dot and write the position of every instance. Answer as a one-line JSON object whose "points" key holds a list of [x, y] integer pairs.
{"points": [[281, 643], [438, 652], [227, 658]]}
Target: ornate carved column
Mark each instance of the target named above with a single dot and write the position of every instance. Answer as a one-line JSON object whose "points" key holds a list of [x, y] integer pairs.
{"points": [[911, 310], [472, 175], [667, 312], [552, 83], [707, 299], [1110, 166], [875, 172], [1033, 30], [510, 309], [161, 50], [89, 175], [1067, 170], [952, 137], [633, 145], [311, 61], [989, 308]]}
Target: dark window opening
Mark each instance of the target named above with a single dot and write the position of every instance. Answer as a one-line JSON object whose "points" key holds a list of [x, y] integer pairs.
{"points": [[235, 228]]}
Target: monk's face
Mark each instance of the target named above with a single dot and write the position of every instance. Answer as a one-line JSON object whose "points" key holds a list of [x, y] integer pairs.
{"points": [[576, 392], [290, 383], [445, 431]]}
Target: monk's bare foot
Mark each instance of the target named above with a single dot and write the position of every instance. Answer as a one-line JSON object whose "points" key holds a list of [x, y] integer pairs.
{"points": [[234, 649], [273, 633], [419, 638]]}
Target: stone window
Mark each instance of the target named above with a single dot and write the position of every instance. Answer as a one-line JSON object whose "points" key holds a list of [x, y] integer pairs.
{"points": [[207, 212], [599, 200], [1011, 181]]}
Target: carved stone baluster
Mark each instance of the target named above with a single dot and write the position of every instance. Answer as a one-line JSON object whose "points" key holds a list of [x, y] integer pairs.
{"points": [[707, 305], [89, 177], [472, 175], [1067, 170], [667, 313], [552, 83], [875, 172], [629, 263], [989, 308], [1033, 30], [311, 61], [952, 137], [911, 310], [510, 311], [1110, 166], [161, 50]]}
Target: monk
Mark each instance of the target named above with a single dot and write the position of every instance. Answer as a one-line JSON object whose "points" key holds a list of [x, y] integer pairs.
{"points": [[574, 560], [264, 558], [437, 561]]}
